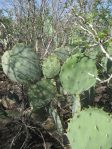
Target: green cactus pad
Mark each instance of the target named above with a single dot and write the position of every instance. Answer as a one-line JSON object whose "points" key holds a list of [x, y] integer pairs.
{"points": [[78, 74], [90, 129], [51, 66], [41, 93], [62, 53], [21, 64]]}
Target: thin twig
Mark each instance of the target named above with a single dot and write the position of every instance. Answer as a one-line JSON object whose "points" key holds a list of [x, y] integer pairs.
{"points": [[95, 77], [18, 134], [46, 51], [104, 51], [43, 139]]}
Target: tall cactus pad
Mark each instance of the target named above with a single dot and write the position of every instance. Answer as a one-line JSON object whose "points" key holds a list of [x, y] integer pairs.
{"points": [[51, 66], [21, 64], [41, 93], [90, 129], [78, 74]]}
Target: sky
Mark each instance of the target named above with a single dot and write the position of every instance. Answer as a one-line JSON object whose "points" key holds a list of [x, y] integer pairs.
{"points": [[5, 4]]}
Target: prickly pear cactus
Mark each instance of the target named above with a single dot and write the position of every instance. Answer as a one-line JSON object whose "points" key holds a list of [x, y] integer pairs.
{"points": [[41, 93], [21, 64], [91, 53], [90, 129], [78, 74], [62, 53], [51, 66]]}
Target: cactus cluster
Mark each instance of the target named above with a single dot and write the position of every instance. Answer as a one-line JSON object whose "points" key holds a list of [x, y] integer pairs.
{"points": [[90, 129], [41, 93], [21, 64], [51, 66], [78, 74]]}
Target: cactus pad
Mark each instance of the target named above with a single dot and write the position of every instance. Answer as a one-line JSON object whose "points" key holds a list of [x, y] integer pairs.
{"points": [[90, 129], [21, 64], [62, 53], [78, 74], [51, 66], [41, 93]]}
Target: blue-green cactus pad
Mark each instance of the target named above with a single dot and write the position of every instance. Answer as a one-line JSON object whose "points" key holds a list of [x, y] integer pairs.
{"points": [[62, 53], [41, 93], [21, 64]]}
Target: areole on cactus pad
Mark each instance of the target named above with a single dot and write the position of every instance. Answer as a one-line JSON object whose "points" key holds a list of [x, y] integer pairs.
{"points": [[90, 129], [21, 64], [78, 74]]}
